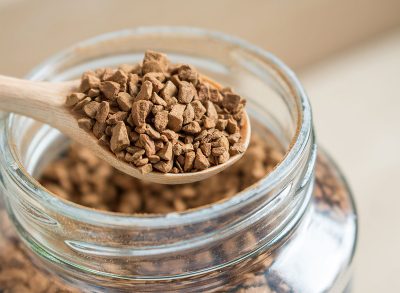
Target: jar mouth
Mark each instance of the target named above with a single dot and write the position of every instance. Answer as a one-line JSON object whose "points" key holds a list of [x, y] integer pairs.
{"points": [[294, 152]]}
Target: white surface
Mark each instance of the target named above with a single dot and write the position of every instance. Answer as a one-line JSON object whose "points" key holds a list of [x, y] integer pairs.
{"points": [[356, 105]]}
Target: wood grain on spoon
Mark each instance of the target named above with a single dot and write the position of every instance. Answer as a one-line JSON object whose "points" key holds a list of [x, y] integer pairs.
{"points": [[45, 102]]}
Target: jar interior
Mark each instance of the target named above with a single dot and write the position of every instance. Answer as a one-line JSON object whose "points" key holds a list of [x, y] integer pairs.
{"points": [[48, 147]]}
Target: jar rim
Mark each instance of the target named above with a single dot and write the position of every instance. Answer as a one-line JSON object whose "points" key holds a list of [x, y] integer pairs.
{"points": [[288, 163]]}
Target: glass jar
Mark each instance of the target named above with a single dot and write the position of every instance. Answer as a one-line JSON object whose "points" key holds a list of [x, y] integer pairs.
{"points": [[293, 231]]}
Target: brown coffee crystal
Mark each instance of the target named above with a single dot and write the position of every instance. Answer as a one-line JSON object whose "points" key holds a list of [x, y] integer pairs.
{"points": [[160, 116]]}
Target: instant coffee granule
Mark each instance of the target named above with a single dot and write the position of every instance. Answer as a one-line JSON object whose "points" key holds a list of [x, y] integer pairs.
{"points": [[81, 177], [159, 116], [19, 275]]}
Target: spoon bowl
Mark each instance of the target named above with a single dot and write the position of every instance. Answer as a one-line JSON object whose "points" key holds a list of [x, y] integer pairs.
{"points": [[45, 102]]}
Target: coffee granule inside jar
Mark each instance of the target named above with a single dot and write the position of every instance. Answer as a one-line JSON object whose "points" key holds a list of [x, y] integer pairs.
{"points": [[17, 273], [159, 116], [81, 177]]}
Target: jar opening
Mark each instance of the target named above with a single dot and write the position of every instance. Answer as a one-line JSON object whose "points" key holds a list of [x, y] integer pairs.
{"points": [[285, 81]]}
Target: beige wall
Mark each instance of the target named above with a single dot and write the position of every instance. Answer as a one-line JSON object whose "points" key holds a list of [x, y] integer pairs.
{"points": [[300, 32]]}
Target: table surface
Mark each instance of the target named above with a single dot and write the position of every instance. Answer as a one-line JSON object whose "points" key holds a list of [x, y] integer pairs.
{"points": [[355, 95], [356, 107]]}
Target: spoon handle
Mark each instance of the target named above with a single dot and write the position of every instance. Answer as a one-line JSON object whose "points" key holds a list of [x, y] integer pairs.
{"points": [[38, 100]]}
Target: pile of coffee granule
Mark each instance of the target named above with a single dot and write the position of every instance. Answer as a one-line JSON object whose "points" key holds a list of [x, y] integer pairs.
{"points": [[81, 177], [18, 274], [160, 117]]}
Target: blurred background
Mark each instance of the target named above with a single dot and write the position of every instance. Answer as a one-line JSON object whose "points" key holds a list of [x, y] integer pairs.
{"points": [[346, 52]]}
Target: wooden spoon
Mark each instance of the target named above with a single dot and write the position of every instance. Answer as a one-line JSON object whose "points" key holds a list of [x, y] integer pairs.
{"points": [[45, 101]]}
